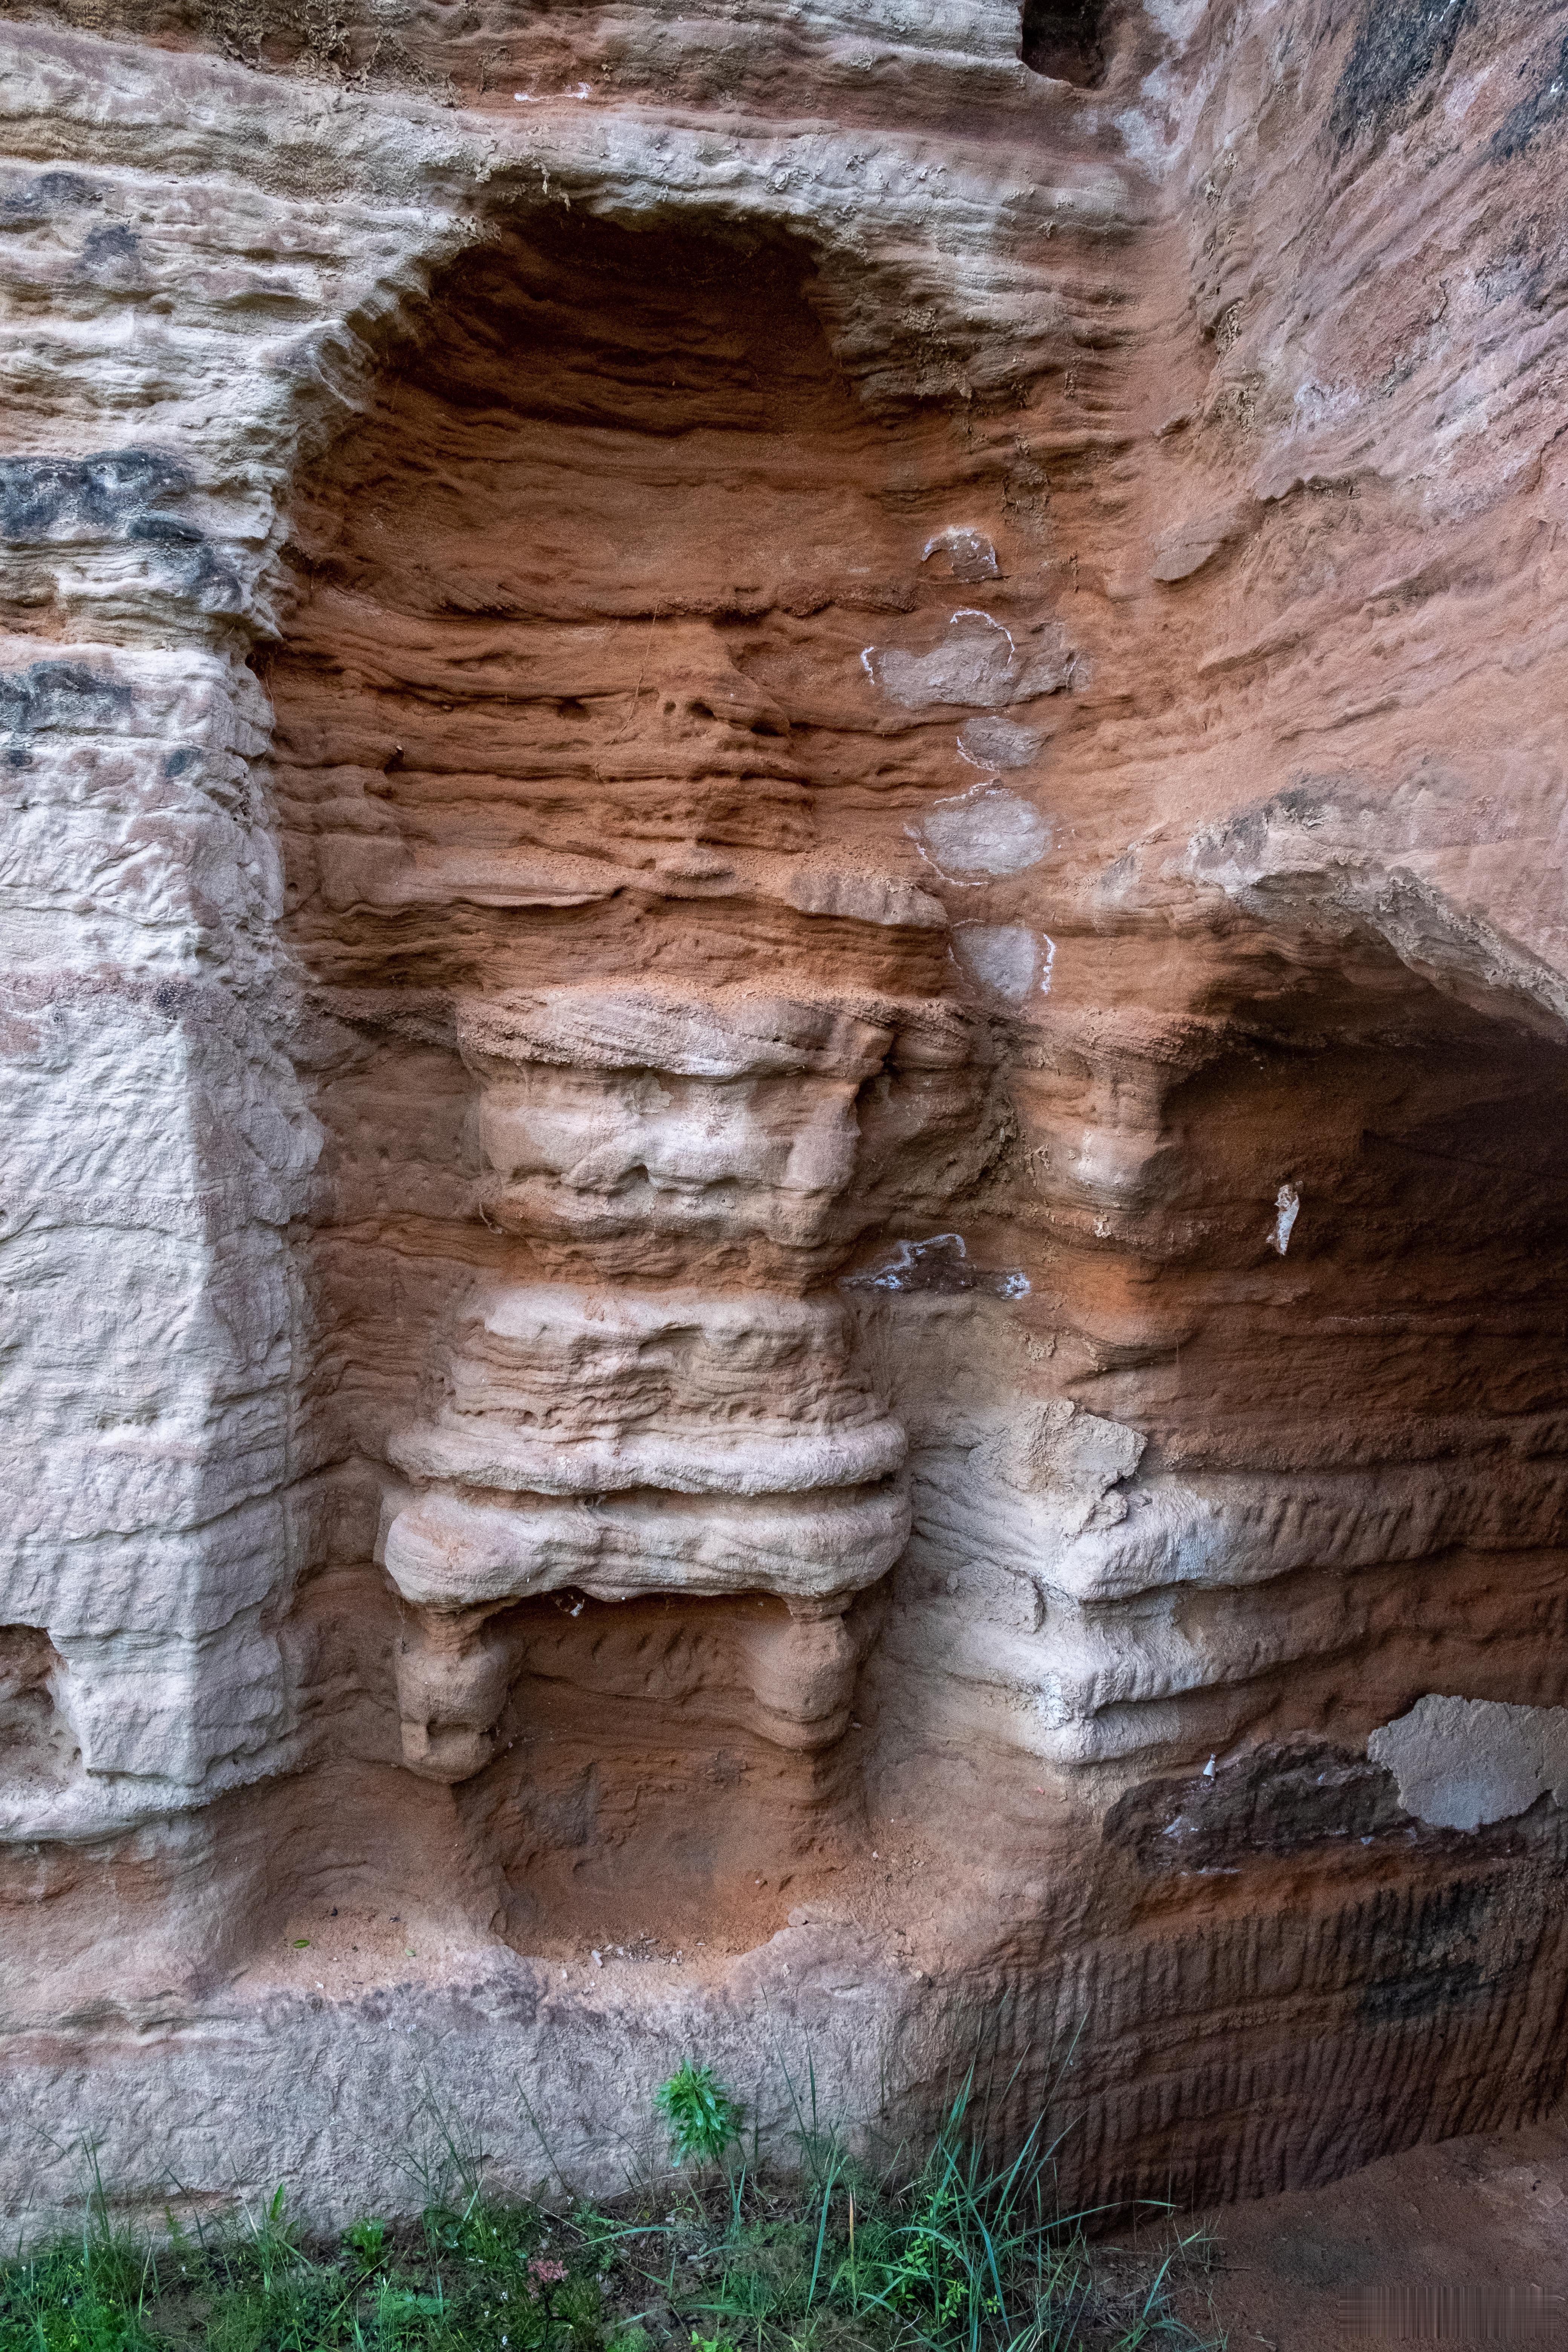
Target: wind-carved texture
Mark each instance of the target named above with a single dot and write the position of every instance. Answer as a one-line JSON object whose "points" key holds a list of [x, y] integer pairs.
{"points": [[580, 761], [646, 701]]}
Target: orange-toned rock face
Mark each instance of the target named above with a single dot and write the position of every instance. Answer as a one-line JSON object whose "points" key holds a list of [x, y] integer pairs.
{"points": [[791, 1060], [585, 767]]}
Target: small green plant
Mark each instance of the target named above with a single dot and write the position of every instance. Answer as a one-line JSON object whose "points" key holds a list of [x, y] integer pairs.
{"points": [[369, 2240], [703, 2119]]}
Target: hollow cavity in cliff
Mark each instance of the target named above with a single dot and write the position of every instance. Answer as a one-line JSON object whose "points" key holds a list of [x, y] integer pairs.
{"points": [[1360, 1428], [579, 795], [1068, 41]]}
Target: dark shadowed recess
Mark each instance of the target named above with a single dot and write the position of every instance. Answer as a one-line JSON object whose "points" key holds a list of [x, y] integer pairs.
{"points": [[1428, 1303], [606, 323], [1067, 39]]}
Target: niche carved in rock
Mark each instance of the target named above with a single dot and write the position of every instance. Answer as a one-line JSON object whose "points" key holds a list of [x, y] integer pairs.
{"points": [[579, 766]]}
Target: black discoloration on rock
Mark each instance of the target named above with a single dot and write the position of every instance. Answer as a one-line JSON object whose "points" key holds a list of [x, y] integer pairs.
{"points": [[107, 247], [1547, 104], [1277, 1800], [51, 192], [58, 693], [1400, 49], [106, 493], [165, 531], [1446, 1955], [1244, 836], [1452, 1984], [112, 495]]}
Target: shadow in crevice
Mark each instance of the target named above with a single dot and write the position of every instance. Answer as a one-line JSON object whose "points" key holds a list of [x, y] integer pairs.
{"points": [[1066, 39]]}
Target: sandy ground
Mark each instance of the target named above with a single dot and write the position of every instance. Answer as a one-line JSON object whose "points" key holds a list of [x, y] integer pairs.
{"points": [[1465, 2243]]}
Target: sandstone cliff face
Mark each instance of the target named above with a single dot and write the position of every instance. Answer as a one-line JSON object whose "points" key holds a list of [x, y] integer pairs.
{"points": [[786, 1044]]}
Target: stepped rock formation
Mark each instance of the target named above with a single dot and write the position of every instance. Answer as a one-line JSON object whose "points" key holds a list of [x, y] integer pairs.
{"points": [[786, 1061]]}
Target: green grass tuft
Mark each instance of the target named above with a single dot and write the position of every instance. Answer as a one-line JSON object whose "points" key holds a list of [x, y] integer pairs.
{"points": [[958, 2252]]}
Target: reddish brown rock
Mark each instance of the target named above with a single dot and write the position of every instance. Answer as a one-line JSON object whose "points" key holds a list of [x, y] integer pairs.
{"points": [[788, 1049]]}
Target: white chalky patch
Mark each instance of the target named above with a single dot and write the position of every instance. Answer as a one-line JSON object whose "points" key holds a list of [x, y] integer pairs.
{"points": [[986, 830], [993, 742], [1288, 1208], [1005, 957], [1460, 1763], [973, 663]]}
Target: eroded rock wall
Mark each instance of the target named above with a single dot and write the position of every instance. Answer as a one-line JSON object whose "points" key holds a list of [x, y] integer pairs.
{"points": [[787, 1048]]}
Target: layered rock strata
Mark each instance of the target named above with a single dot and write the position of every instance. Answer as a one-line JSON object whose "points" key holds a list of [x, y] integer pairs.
{"points": [[786, 1051], [616, 1446]]}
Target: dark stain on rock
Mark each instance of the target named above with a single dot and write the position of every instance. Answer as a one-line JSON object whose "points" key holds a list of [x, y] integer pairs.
{"points": [[1246, 835], [203, 575], [50, 192], [105, 493], [1430, 1953], [1278, 1801], [106, 246], [58, 693], [1065, 39], [1446, 1957], [1400, 50], [165, 531], [1464, 1907], [114, 495], [1426, 1992], [1547, 103]]}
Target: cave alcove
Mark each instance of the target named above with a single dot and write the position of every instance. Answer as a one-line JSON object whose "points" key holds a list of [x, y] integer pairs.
{"points": [[1066, 40], [1382, 1345], [572, 602]]}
